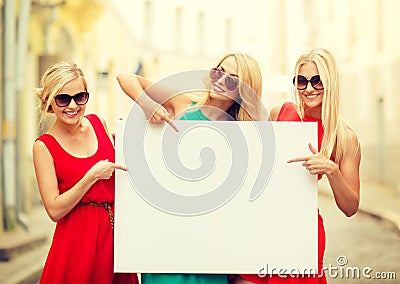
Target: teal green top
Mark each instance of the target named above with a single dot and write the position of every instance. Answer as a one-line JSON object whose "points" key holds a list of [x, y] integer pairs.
{"points": [[194, 114], [175, 278], [161, 278]]}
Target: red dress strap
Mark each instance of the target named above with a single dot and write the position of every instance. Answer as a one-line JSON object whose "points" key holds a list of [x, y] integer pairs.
{"points": [[98, 128]]}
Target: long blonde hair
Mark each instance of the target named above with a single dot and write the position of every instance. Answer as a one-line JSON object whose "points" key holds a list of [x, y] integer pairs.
{"points": [[250, 89], [336, 133], [54, 78]]}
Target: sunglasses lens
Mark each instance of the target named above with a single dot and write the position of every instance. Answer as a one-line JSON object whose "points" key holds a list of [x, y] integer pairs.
{"points": [[62, 100], [316, 82], [215, 74], [81, 98], [301, 82], [231, 83]]}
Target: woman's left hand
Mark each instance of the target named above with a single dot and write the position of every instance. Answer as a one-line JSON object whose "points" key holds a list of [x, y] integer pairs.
{"points": [[316, 163]]}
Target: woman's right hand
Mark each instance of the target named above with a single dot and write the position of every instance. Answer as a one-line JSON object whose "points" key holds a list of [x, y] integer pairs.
{"points": [[104, 169], [157, 114], [137, 88]]}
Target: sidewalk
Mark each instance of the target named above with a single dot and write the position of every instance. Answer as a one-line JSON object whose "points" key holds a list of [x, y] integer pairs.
{"points": [[27, 250], [377, 200]]}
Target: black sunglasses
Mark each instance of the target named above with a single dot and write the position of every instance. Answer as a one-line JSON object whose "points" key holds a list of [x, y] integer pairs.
{"points": [[302, 82], [231, 82], [63, 100]]}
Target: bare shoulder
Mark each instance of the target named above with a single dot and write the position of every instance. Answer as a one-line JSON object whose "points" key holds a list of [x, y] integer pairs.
{"points": [[38, 146], [275, 112], [40, 151], [103, 121], [179, 102], [353, 143]]}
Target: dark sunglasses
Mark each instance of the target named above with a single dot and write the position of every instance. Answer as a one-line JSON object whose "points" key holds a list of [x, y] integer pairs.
{"points": [[231, 82], [302, 82], [63, 100]]}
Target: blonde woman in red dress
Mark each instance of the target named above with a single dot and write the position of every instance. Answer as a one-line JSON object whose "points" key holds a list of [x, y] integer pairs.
{"points": [[74, 165], [338, 154]]}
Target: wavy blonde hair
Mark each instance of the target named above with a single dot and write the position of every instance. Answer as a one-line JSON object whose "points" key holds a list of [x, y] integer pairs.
{"points": [[54, 78], [250, 89], [336, 132]]}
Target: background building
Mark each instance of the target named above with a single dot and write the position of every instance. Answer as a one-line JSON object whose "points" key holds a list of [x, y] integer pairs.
{"points": [[36, 34], [363, 36], [158, 38]]}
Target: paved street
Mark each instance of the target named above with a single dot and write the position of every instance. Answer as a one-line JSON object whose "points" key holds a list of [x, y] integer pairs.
{"points": [[363, 242], [366, 242]]}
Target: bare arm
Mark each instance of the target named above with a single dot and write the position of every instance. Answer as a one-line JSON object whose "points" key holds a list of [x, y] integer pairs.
{"points": [[58, 205], [134, 86], [158, 102], [344, 178]]}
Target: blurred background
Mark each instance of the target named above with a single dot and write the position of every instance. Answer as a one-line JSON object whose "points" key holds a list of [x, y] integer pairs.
{"points": [[157, 38]]}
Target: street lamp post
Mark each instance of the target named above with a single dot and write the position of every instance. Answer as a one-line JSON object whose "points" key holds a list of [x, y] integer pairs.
{"points": [[47, 9]]}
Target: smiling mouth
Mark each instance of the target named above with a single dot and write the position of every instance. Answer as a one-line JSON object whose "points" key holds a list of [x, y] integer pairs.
{"points": [[313, 96], [218, 89], [71, 113]]}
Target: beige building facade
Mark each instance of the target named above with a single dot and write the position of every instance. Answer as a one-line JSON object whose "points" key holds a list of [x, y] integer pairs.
{"points": [[84, 32], [159, 38], [363, 36]]}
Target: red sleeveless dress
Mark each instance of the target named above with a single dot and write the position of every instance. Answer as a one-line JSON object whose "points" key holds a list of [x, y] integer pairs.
{"points": [[289, 113], [82, 246]]}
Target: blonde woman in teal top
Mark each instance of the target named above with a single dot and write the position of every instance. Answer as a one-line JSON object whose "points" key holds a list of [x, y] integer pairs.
{"points": [[233, 92]]}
